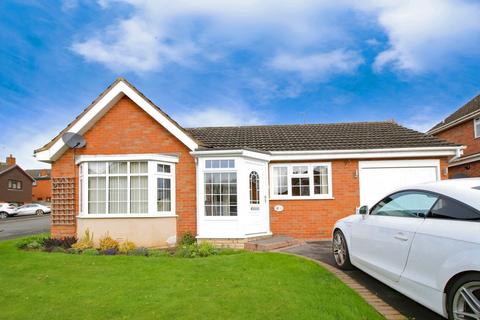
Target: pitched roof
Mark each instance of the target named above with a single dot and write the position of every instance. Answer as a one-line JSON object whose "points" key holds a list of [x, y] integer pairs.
{"points": [[470, 108], [39, 174], [336, 136], [94, 102], [4, 168]]}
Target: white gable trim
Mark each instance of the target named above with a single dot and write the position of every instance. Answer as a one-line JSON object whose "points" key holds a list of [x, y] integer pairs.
{"points": [[101, 107]]}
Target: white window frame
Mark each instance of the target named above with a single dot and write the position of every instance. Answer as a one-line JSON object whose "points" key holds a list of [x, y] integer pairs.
{"points": [[152, 175], [476, 128], [290, 175], [228, 169]]}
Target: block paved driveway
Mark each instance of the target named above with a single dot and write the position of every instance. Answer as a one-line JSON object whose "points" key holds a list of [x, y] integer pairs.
{"points": [[322, 251]]}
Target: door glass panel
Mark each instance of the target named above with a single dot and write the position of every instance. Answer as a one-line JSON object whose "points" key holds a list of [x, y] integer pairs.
{"points": [[405, 204], [254, 188]]}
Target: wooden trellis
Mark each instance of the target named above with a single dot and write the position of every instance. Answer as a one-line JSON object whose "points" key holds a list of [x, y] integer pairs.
{"points": [[63, 201]]}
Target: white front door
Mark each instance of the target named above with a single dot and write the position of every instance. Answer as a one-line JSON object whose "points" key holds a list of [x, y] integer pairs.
{"points": [[256, 217]]}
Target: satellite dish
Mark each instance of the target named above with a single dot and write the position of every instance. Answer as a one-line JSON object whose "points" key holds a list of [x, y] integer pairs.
{"points": [[74, 140]]}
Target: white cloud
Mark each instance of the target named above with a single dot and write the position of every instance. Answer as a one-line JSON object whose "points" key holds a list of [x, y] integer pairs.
{"points": [[422, 35], [425, 35], [223, 114], [318, 65]]}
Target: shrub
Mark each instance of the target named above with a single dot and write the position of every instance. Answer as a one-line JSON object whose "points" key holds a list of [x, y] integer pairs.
{"points": [[187, 251], [109, 252], [187, 239], [206, 249], [107, 243], [91, 252], [23, 243], [65, 243], [33, 245], [140, 251], [126, 246], [86, 242]]}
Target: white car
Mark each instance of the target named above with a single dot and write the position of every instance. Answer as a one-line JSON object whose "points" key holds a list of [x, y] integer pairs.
{"points": [[32, 208], [423, 241], [7, 210]]}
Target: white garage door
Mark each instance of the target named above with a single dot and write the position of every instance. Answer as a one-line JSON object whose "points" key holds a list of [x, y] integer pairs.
{"points": [[379, 178]]}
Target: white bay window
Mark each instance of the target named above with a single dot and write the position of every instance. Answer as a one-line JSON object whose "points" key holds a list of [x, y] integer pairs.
{"points": [[301, 181], [126, 188]]}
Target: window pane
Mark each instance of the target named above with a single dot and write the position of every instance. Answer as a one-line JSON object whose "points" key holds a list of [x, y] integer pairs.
{"points": [[97, 168], [163, 195], [280, 181], [405, 204], [254, 188], [139, 194], [320, 179], [220, 194], [477, 128], [117, 195], [163, 168], [97, 195], [451, 209], [300, 169], [139, 167], [300, 187], [117, 167]]}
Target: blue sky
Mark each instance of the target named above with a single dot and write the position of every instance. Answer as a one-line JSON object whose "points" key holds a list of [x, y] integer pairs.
{"points": [[233, 63]]}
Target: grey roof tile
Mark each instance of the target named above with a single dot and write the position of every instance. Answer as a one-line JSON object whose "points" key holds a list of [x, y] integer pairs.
{"points": [[336, 136]]}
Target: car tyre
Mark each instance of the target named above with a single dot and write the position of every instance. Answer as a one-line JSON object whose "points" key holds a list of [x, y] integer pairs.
{"points": [[464, 297], [340, 251], [3, 215], [39, 212]]}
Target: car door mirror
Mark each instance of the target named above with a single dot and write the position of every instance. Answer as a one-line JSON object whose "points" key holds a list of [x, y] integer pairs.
{"points": [[363, 210]]}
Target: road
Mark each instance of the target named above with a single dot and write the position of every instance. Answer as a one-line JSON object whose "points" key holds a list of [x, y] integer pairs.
{"points": [[15, 227]]}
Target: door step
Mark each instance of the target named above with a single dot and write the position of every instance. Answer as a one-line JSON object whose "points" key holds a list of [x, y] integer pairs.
{"points": [[271, 243]]}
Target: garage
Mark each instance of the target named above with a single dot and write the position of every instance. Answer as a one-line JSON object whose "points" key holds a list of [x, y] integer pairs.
{"points": [[379, 178]]}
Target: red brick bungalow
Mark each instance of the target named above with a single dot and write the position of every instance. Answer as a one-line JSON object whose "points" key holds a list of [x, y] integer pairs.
{"points": [[143, 177], [463, 127]]}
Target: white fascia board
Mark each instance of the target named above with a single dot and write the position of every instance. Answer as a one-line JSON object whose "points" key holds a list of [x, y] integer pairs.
{"points": [[460, 120], [171, 158], [364, 154], [231, 153], [101, 107], [465, 160], [335, 154]]}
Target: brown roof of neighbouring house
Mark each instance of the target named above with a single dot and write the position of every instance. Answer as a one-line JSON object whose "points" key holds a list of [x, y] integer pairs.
{"points": [[335, 136], [470, 107], [39, 174], [4, 168]]}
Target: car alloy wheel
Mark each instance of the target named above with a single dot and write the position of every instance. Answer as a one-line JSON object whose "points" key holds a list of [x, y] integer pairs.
{"points": [[466, 302], [339, 249], [3, 215], [39, 212]]}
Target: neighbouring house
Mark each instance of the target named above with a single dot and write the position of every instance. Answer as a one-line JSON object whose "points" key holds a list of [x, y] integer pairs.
{"points": [[463, 127], [42, 187], [15, 183], [143, 177]]}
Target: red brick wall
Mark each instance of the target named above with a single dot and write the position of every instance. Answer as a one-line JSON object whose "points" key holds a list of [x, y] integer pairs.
{"points": [[314, 219], [42, 191], [462, 134], [471, 170], [127, 129]]}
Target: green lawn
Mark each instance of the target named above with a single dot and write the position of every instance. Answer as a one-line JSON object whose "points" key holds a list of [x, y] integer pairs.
{"points": [[37, 285]]}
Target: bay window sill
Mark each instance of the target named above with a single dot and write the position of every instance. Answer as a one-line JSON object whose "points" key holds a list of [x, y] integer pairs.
{"points": [[303, 198], [125, 216]]}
